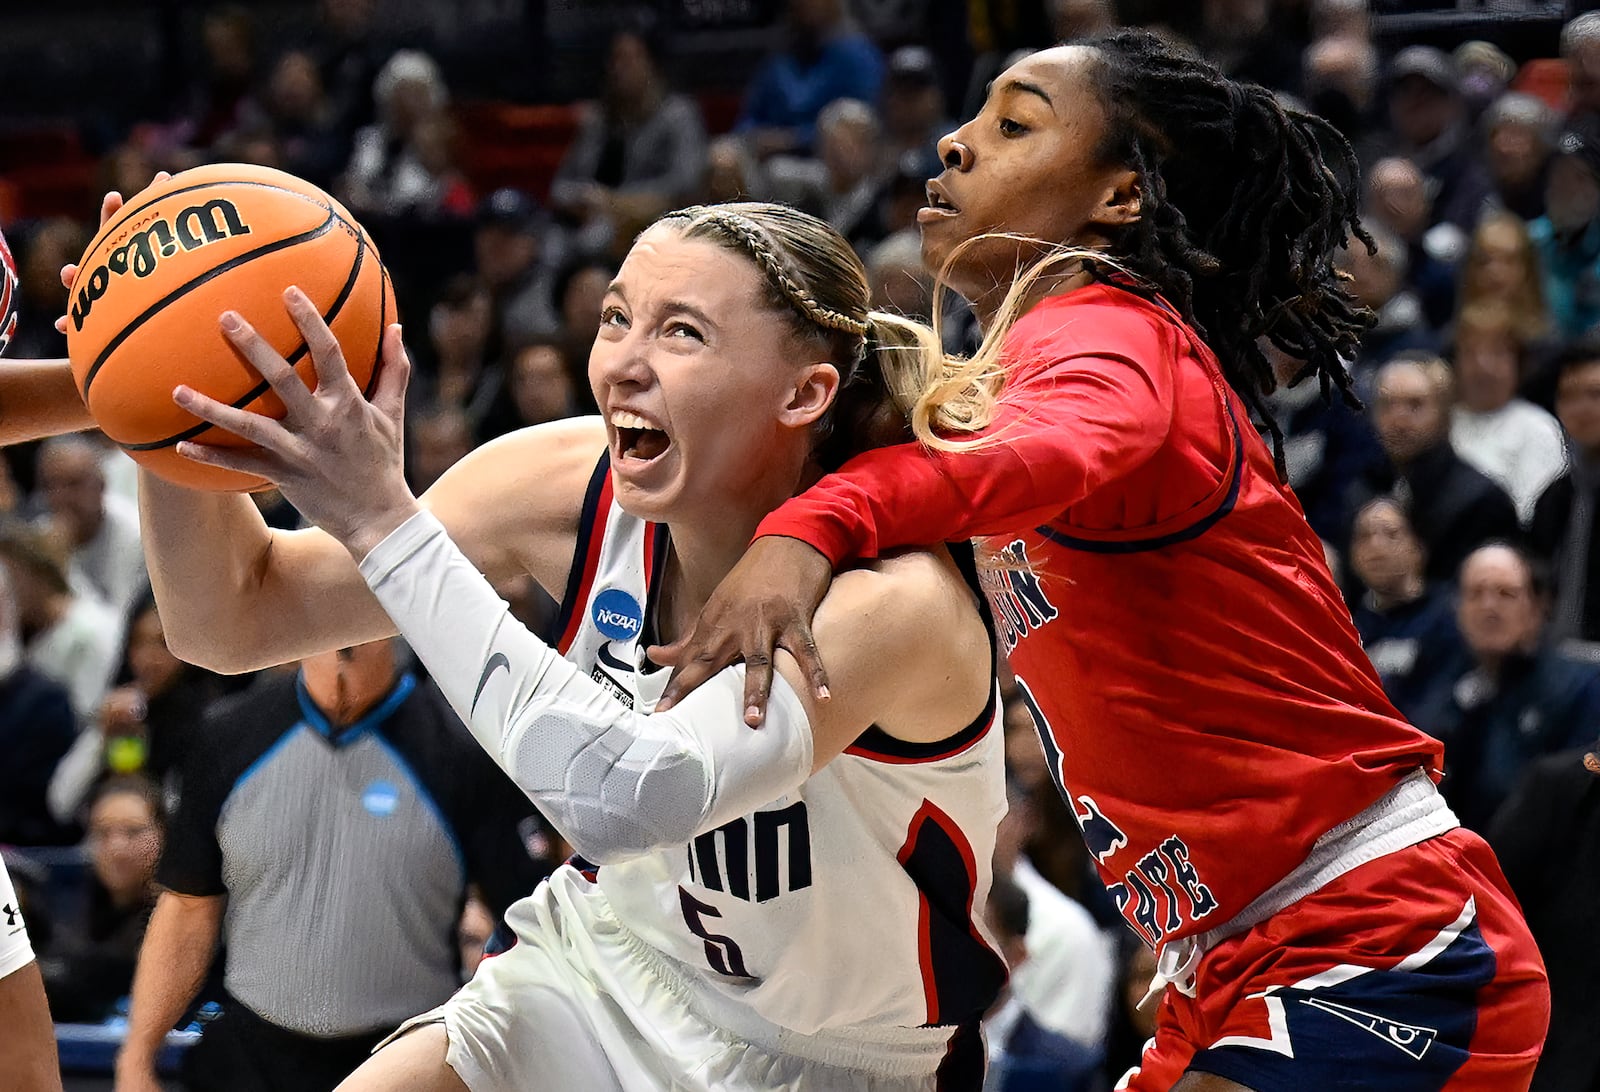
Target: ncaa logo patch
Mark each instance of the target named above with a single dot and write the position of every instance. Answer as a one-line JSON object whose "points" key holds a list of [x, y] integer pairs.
{"points": [[380, 799], [617, 614]]}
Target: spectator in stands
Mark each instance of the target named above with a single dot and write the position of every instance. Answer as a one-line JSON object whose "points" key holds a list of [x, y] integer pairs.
{"points": [[439, 435], [541, 385], [1026, 766], [36, 730], [69, 636], [1133, 1024], [131, 165], [473, 932], [1454, 507], [904, 195], [732, 173], [145, 723], [843, 183], [1516, 696], [1430, 124], [1547, 837], [459, 369], [1341, 76], [1407, 626], [1501, 268], [1336, 18], [43, 299], [339, 814], [401, 164], [301, 116], [89, 973], [1483, 72], [900, 282], [914, 116], [216, 101], [513, 256], [250, 143], [1025, 1055], [1517, 444], [101, 529], [581, 289], [1378, 280], [825, 58], [1580, 48], [1562, 532], [1397, 198], [1067, 983], [1248, 41], [1567, 236], [639, 152], [349, 52], [1519, 137], [1327, 444]]}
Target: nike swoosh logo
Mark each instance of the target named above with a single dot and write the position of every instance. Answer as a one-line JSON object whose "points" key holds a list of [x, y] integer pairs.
{"points": [[613, 661], [497, 660], [15, 931]]}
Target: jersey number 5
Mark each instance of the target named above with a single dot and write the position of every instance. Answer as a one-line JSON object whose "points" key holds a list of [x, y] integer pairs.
{"points": [[721, 952]]}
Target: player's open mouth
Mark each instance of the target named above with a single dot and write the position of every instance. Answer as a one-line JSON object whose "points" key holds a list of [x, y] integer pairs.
{"points": [[638, 438], [939, 205]]}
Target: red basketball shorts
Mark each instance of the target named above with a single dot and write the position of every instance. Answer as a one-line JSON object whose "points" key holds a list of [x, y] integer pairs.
{"points": [[1412, 973]]}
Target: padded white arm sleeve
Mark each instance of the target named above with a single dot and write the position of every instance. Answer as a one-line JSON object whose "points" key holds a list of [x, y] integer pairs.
{"points": [[615, 783]]}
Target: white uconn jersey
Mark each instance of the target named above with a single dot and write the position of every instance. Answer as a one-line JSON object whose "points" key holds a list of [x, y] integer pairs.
{"points": [[853, 902]]}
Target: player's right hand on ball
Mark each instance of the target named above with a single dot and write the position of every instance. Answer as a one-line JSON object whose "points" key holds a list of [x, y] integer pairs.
{"points": [[109, 205]]}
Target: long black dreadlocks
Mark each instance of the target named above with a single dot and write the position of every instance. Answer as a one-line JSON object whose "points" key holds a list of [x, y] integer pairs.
{"points": [[1244, 204]]}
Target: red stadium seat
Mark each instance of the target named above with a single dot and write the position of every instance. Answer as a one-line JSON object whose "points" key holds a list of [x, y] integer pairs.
{"points": [[505, 144]]}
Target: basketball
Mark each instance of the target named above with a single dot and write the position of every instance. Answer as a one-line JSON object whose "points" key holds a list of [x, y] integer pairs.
{"points": [[143, 313]]}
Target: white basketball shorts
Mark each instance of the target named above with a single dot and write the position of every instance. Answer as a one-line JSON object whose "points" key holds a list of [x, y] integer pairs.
{"points": [[581, 1002]]}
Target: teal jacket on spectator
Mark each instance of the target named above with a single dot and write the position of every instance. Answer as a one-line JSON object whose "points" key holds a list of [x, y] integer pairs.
{"points": [[1571, 275]]}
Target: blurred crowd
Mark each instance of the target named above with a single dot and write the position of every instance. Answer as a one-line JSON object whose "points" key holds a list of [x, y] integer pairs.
{"points": [[1457, 502]]}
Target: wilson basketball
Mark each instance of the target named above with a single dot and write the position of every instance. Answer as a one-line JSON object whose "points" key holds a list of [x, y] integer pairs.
{"points": [[143, 313]]}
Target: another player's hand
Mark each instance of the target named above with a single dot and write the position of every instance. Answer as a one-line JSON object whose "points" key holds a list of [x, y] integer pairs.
{"points": [[766, 603], [334, 455], [110, 204]]}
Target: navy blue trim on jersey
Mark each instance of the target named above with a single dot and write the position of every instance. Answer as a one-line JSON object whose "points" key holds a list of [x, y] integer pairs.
{"points": [[591, 510], [876, 743], [961, 974], [965, 1059], [659, 537], [1194, 530]]}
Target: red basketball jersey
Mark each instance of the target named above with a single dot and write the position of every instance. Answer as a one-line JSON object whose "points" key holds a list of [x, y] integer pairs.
{"points": [[1200, 690]]}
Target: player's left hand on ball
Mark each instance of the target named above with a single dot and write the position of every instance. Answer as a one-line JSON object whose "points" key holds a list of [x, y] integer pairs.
{"points": [[110, 205], [335, 456]]}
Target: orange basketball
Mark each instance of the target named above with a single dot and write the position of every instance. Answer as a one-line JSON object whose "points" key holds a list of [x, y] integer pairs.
{"points": [[143, 313]]}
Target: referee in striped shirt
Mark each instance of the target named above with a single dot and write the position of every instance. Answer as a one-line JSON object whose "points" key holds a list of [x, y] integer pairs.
{"points": [[328, 827]]}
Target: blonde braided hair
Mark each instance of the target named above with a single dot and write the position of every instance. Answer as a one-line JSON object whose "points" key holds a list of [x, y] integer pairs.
{"points": [[755, 241], [886, 361]]}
